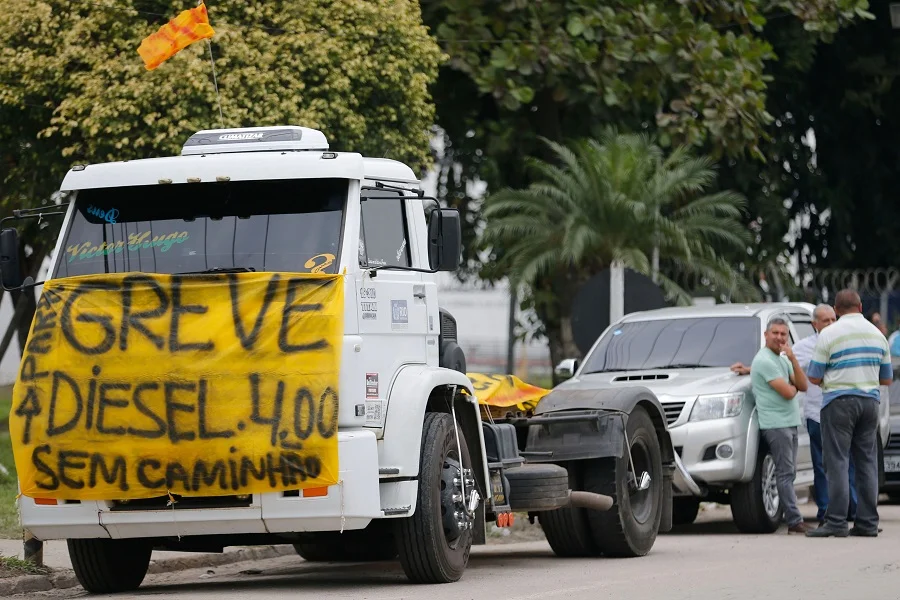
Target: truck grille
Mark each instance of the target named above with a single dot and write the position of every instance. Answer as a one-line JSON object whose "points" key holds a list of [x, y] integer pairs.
{"points": [[673, 411], [893, 442], [448, 326], [182, 503]]}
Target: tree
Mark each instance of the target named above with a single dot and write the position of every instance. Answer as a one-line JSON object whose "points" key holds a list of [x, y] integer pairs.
{"points": [[616, 199], [74, 90]]}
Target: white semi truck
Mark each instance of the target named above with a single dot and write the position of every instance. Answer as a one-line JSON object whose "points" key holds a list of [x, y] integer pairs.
{"points": [[419, 473]]}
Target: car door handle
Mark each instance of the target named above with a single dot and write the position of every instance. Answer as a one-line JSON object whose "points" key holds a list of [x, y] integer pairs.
{"points": [[419, 291]]}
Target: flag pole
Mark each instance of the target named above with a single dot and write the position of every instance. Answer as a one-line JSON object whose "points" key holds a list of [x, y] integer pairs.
{"points": [[215, 82]]}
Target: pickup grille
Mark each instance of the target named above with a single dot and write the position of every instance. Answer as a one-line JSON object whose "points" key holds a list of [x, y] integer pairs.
{"points": [[893, 442], [673, 411]]}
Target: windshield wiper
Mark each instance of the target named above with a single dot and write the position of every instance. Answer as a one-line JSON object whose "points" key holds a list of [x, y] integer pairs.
{"points": [[609, 371], [684, 366], [220, 270]]}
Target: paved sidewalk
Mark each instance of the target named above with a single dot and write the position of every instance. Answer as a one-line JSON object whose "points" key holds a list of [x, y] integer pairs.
{"points": [[56, 555]]}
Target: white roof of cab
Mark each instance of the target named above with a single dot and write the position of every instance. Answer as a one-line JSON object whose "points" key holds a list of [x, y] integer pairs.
{"points": [[388, 170], [236, 166]]}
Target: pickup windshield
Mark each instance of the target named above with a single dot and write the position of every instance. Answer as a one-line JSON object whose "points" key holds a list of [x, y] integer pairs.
{"points": [[676, 343], [289, 225]]}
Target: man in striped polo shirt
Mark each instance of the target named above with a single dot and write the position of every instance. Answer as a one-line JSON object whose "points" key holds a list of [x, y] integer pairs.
{"points": [[850, 361]]}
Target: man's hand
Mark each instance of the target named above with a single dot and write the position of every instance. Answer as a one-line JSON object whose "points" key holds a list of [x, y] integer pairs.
{"points": [[740, 369], [798, 377], [788, 351]]}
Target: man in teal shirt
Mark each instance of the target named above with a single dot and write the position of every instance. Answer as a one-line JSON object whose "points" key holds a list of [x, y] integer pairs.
{"points": [[776, 377]]}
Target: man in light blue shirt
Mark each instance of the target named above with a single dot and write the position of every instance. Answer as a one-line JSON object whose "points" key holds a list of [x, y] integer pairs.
{"points": [[823, 316]]}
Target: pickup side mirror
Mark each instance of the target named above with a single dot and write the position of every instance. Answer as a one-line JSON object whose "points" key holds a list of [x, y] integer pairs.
{"points": [[10, 270], [566, 368], [444, 240]]}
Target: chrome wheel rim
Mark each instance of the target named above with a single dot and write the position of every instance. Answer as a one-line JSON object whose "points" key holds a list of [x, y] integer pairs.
{"points": [[771, 501]]}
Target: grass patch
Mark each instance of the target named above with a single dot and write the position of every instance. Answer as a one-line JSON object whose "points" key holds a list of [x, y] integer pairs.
{"points": [[9, 512], [5, 405], [11, 566]]}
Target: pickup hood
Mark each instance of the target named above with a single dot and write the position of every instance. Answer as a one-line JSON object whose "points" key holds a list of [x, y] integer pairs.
{"points": [[664, 383]]}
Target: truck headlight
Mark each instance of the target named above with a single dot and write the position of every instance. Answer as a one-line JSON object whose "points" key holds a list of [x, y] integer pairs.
{"points": [[717, 406]]}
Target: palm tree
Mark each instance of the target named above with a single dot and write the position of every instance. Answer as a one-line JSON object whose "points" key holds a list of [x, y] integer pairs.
{"points": [[616, 200]]}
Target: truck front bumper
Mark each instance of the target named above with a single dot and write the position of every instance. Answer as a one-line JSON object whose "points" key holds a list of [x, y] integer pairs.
{"points": [[349, 504]]}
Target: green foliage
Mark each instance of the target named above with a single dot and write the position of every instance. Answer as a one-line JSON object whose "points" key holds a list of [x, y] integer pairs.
{"points": [[619, 198], [73, 88], [690, 71]]}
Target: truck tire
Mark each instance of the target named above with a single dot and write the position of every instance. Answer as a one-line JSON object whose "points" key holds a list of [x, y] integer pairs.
{"points": [[431, 545], [755, 505], [630, 527], [359, 545], [536, 486], [109, 566], [566, 529], [685, 510]]}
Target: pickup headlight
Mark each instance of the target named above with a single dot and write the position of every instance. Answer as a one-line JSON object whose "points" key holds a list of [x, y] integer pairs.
{"points": [[717, 406]]}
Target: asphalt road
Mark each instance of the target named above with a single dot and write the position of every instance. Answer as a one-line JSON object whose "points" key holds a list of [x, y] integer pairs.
{"points": [[706, 561]]}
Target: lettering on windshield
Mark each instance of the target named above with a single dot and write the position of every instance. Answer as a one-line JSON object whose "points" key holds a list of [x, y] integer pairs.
{"points": [[136, 241]]}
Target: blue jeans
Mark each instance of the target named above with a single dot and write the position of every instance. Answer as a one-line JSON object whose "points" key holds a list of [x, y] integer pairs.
{"points": [[820, 483]]}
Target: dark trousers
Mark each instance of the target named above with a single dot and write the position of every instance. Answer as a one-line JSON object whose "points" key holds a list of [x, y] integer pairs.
{"points": [[782, 444], [820, 481], [849, 428]]}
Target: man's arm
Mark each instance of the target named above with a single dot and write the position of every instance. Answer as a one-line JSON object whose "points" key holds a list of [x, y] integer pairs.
{"points": [[815, 373], [775, 378], [886, 370], [785, 388], [798, 377]]}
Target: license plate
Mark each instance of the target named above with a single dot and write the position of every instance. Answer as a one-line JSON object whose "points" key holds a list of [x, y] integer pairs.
{"points": [[892, 464]]}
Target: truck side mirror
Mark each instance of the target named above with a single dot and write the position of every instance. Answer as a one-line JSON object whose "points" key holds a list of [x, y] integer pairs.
{"points": [[444, 240], [10, 271], [566, 368]]}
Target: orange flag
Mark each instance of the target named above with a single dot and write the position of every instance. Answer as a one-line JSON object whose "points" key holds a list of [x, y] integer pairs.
{"points": [[190, 26]]}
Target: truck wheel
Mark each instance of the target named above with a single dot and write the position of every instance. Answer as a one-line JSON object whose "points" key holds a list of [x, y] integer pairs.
{"points": [[566, 529], [362, 545], [755, 505], [434, 543], [109, 566], [685, 510], [630, 527]]}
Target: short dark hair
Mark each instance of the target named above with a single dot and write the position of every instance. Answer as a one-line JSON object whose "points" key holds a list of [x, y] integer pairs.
{"points": [[846, 300], [776, 320]]}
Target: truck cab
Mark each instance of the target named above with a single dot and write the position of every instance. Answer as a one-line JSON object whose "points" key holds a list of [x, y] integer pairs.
{"points": [[244, 345]]}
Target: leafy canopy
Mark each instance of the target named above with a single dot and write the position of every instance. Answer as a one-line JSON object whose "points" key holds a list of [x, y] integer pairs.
{"points": [[73, 88], [619, 198]]}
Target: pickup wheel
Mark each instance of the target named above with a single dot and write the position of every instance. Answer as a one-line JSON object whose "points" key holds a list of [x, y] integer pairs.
{"points": [[566, 529], [630, 527], [434, 543], [685, 510], [109, 566], [755, 505]]}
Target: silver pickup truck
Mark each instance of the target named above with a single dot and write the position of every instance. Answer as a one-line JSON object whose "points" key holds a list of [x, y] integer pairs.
{"points": [[683, 355]]}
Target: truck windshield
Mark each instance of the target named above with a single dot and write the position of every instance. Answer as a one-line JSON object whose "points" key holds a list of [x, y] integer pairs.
{"points": [[289, 225], [676, 343]]}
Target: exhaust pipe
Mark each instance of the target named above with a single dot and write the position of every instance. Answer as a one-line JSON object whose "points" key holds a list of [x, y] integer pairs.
{"points": [[589, 500]]}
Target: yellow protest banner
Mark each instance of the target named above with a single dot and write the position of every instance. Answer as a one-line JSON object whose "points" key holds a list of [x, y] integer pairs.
{"points": [[498, 392], [136, 385]]}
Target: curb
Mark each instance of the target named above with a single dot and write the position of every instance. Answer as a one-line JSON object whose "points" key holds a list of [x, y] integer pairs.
{"points": [[65, 578]]}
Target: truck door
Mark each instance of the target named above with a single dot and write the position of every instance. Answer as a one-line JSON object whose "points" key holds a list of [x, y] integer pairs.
{"points": [[392, 315]]}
